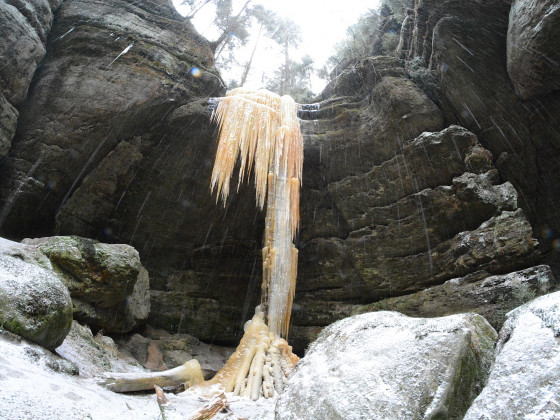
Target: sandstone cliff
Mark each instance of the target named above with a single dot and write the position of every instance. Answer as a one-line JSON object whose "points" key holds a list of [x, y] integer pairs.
{"points": [[405, 187]]}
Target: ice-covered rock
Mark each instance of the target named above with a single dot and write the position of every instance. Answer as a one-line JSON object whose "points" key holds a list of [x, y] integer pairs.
{"points": [[525, 379], [387, 365]]}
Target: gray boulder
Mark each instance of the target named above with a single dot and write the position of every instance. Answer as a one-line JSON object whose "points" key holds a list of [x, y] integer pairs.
{"points": [[34, 303], [94, 355], [387, 365], [532, 47], [108, 285], [525, 379]]}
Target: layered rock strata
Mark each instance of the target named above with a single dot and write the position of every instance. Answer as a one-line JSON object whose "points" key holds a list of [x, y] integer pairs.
{"points": [[401, 203]]}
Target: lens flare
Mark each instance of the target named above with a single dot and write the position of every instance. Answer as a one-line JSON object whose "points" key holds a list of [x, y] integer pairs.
{"points": [[195, 71]]}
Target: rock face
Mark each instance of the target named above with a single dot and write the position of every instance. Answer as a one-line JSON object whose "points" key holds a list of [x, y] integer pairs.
{"points": [[391, 211], [114, 142], [25, 26], [108, 285], [489, 296], [472, 69], [532, 58], [525, 381], [386, 365], [34, 302]]}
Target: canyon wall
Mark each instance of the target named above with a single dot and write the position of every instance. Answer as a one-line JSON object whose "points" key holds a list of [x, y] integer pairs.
{"points": [[412, 179]]}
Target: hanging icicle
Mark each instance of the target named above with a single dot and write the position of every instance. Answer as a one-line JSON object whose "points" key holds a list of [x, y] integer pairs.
{"points": [[261, 129]]}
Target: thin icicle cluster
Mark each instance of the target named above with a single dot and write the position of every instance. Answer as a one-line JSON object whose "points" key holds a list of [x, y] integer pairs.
{"points": [[261, 129]]}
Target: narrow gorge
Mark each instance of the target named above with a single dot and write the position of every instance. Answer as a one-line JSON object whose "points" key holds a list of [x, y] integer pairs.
{"points": [[431, 188]]}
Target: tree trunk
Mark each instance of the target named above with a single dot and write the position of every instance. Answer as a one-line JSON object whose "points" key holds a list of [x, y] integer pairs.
{"points": [[250, 62]]}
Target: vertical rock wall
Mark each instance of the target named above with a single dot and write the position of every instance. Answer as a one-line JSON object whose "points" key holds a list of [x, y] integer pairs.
{"points": [[401, 191]]}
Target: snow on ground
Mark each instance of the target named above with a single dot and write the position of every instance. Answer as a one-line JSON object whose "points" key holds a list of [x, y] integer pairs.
{"points": [[32, 390]]}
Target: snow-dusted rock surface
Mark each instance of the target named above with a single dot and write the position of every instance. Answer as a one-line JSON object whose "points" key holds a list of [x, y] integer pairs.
{"points": [[525, 380], [39, 386], [34, 302], [385, 365]]}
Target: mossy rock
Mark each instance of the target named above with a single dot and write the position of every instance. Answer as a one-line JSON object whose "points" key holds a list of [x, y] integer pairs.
{"points": [[34, 303]]}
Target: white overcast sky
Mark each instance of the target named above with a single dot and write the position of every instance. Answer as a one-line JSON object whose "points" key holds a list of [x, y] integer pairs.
{"points": [[323, 23]]}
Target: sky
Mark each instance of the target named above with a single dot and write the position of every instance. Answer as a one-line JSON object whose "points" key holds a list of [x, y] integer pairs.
{"points": [[323, 23]]}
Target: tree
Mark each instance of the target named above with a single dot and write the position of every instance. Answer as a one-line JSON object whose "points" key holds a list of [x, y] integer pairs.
{"points": [[288, 35], [358, 43], [268, 25], [232, 26], [195, 6], [294, 79]]}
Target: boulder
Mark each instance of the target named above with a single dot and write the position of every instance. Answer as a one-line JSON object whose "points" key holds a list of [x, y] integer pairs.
{"points": [[525, 379], [34, 354], [387, 365], [94, 355], [532, 47], [108, 285], [34, 302]]}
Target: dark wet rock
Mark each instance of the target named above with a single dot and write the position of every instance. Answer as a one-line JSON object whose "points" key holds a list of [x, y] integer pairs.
{"points": [[100, 189], [490, 296], [433, 159], [34, 302], [436, 210], [24, 30], [8, 121], [107, 282], [83, 104], [524, 381], [533, 59], [384, 110], [502, 243], [466, 49], [386, 365]]}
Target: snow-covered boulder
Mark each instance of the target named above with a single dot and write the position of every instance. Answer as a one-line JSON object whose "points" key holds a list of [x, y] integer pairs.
{"points": [[525, 380], [34, 302], [387, 365]]}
